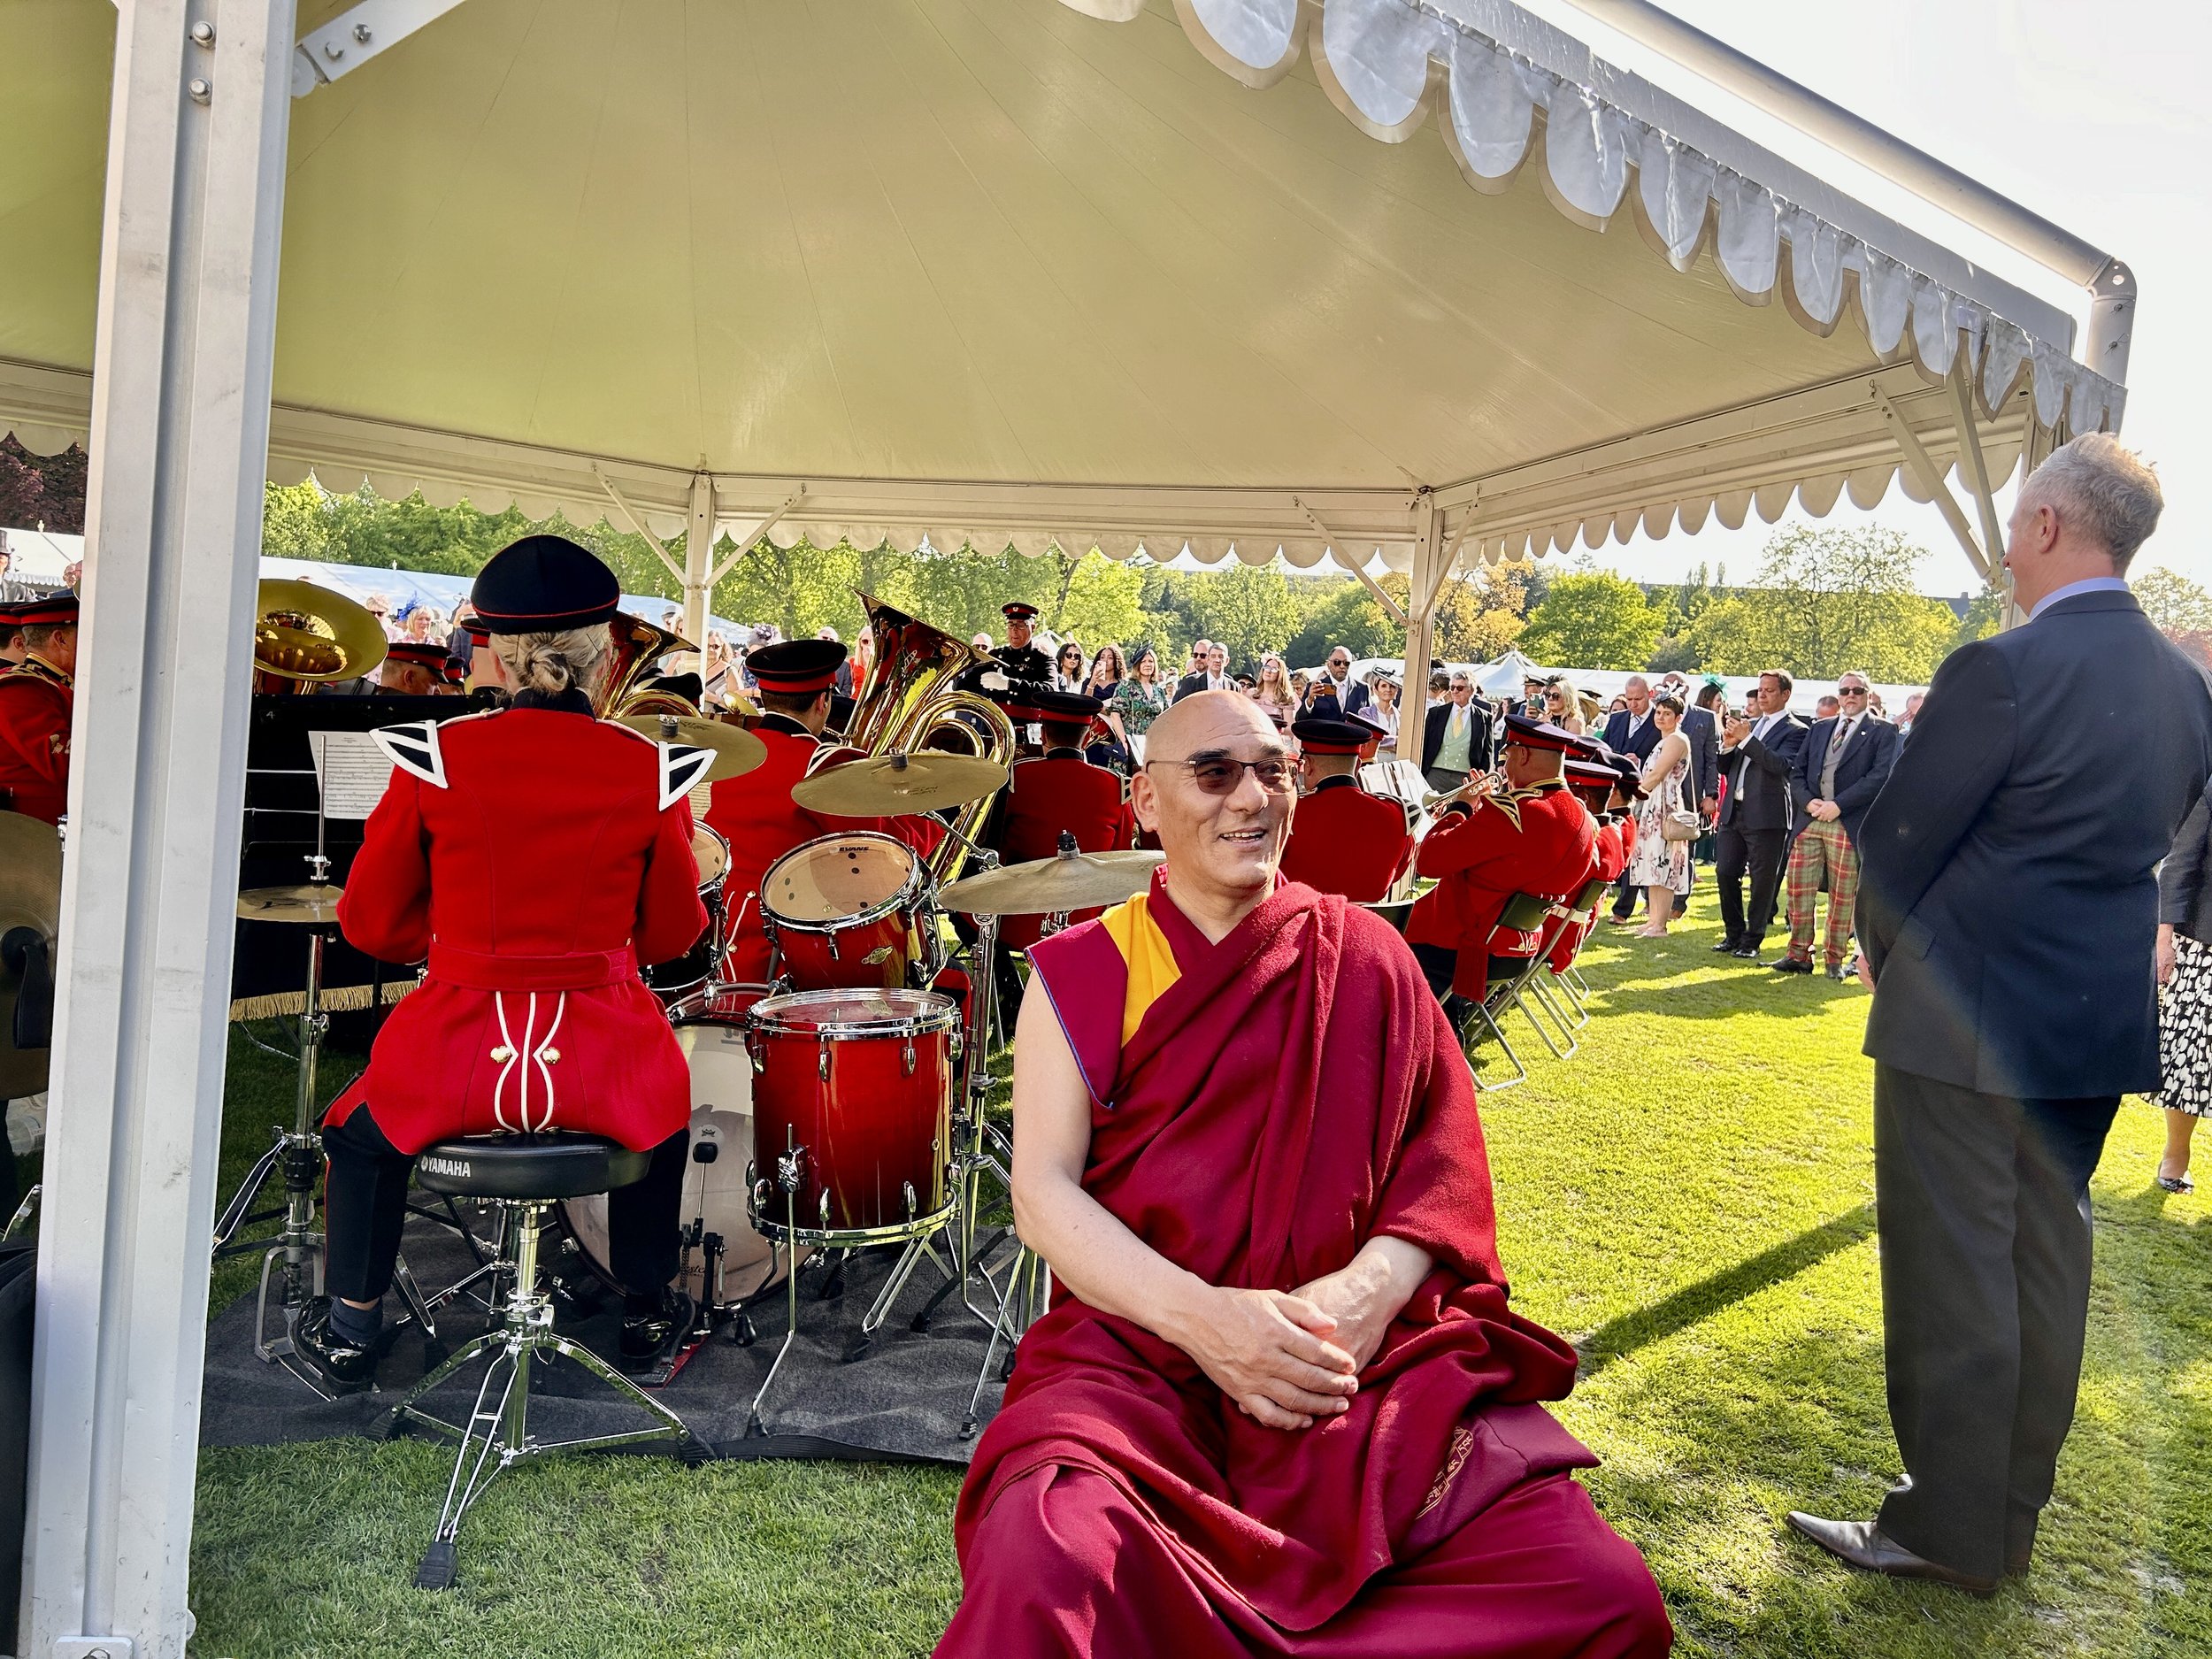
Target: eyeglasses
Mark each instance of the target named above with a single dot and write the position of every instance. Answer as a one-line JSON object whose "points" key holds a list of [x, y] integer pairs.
{"points": [[1220, 775]]}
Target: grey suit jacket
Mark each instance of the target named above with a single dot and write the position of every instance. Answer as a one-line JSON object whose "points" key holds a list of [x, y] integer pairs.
{"points": [[2007, 898]]}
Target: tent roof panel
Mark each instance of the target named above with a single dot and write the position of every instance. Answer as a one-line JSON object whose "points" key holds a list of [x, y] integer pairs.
{"points": [[992, 264]]}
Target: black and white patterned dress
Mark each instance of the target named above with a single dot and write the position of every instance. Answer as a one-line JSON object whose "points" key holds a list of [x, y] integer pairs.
{"points": [[2185, 1030]]}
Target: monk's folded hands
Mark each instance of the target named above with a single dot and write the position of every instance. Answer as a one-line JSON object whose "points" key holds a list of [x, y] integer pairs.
{"points": [[1268, 1351], [1367, 1292]]}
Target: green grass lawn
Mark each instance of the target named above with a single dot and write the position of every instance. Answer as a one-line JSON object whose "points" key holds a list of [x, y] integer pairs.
{"points": [[1691, 1199]]}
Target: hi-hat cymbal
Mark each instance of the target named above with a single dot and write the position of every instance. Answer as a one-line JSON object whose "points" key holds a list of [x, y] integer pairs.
{"points": [[736, 751], [314, 904], [889, 784], [1067, 881], [30, 896]]}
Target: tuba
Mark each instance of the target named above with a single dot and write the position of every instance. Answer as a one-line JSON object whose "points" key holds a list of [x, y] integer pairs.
{"points": [[306, 635], [910, 704], [634, 646]]}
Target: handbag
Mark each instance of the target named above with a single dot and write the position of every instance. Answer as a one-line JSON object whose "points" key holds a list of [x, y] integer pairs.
{"points": [[1682, 824]]}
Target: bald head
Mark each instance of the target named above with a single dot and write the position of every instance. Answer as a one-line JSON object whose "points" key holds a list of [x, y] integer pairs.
{"points": [[1209, 720]]}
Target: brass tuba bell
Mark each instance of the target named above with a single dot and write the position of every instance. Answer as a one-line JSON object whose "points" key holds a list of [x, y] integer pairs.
{"points": [[306, 635], [635, 648]]}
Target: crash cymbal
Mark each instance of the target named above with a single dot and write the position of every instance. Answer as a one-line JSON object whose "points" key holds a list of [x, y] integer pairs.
{"points": [[736, 751], [889, 784], [30, 896], [1067, 881], [314, 904]]}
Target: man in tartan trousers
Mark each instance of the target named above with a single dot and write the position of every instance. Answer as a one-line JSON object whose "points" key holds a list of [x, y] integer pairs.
{"points": [[1840, 768]]}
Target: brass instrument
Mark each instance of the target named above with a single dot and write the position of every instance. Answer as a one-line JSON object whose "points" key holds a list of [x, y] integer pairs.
{"points": [[635, 648], [306, 635], [908, 705]]}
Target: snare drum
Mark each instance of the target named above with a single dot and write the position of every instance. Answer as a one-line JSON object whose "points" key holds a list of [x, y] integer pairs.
{"points": [[847, 910], [852, 1100], [688, 973], [711, 1034]]}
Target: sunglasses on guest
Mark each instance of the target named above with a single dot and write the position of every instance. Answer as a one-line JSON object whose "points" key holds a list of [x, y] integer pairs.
{"points": [[1220, 775]]}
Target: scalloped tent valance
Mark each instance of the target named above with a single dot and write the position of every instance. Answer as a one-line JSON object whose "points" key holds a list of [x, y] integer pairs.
{"points": [[1042, 279]]}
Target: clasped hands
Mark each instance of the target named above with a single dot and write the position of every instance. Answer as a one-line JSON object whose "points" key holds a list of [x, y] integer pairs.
{"points": [[1291, 1358]]}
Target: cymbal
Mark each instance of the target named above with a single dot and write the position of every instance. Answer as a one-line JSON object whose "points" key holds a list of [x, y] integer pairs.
{"points": [[889, 784], [1068, 881], [736, 751], [314, 904], [30, 896]]}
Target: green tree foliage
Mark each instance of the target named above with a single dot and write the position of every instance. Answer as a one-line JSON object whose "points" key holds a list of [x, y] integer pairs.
{"points": [[1594, 619], [1345, 613], [1103, 603], [1828, 600], [41, 492], [2174, 603]]}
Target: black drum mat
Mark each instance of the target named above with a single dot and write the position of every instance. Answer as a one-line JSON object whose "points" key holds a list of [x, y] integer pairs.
{"points": [[904, 1399]]}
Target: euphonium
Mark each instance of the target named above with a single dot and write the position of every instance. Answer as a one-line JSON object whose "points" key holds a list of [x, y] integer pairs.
{"points": [[635, 646], [908, 705], [304, 635]]}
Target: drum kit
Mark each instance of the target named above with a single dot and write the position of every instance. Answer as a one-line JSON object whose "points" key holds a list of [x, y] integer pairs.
{"points": [[851, 1092]]}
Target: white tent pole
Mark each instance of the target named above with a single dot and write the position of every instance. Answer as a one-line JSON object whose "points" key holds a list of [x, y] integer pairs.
{"points": [[185, 335], [1428, 556], [698, 558]]}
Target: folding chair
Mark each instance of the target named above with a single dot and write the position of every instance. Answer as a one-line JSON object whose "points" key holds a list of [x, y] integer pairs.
{"points": [[1524, 913], [1575, 919]]}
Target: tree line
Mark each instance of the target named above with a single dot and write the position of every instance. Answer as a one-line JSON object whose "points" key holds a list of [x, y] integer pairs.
{"points": [[1824, 600]]}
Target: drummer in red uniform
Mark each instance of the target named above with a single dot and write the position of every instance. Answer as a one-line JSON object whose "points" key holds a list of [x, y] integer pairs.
{"points": [[1058, 793], [1343, 838], [756, 814], [536, 855], [1495, 837], [35, 697]]}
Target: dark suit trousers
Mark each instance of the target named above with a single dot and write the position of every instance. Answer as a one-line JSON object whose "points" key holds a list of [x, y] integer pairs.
{"points": [[1983, 1213], [1761, 854]]}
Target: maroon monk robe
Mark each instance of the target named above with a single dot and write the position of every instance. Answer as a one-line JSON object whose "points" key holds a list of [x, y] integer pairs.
{"points": [[1293, 1092]]}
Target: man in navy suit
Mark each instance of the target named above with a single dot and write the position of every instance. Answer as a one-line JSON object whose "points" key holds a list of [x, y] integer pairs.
{"points": [[1339, 696], [1758, 759], [1630, 731], [1841, 767], [2008, 912]]}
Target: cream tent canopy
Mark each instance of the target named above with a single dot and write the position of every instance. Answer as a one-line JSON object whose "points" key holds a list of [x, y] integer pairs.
{"points": [[967, 271], [991, 270]]}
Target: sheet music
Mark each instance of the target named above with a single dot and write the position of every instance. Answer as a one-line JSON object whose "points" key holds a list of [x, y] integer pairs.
{"points": [[351, 771]]}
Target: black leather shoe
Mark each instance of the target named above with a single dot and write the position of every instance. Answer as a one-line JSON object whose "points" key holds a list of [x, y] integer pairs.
{"points": [[1790, 965], [1837, 971], [1865, 1546], [344, 1367], [1726, 945], [651, 1340], [1749, 953]]}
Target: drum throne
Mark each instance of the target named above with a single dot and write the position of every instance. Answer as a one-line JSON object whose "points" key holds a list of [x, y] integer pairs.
{"points": [[522, 1177]]}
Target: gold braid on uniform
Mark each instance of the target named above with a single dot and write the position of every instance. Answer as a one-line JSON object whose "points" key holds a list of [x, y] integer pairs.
{"points": [[1510, 802]]}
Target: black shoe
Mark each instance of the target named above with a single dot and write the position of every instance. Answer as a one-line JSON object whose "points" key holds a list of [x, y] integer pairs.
{"points": [[1790, 965], [1749, 953], [344, 1367], [651, 1339], [1837, 971], [1865, 1546], [1727, 947]]}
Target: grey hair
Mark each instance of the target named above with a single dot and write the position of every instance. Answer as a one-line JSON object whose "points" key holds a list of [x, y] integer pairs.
{"points": [[2107, 490], [554, 662]]}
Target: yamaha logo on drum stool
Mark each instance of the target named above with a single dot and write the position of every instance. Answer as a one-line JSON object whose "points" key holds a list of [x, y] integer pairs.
{"points": [[455, 1169]]}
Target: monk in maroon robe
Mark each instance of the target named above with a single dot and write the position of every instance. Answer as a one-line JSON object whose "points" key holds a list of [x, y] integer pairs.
{"points": [[1280, 1404]]}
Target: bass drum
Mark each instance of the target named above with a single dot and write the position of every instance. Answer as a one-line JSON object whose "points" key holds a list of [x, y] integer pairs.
{"points": [[711, 1032]]}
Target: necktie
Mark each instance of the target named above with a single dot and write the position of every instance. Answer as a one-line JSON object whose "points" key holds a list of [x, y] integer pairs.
{"points": [[1835, 754]]}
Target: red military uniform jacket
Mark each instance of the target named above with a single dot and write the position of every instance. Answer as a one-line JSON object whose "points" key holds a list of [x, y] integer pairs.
{"points": [[35, 701], [1482, 857], [536, 855], [757, 817], [1060, 791], [1344, 840], [1609, 856]]}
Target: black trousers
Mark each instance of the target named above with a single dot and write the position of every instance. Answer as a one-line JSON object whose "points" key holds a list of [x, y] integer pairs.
{"points": [[1761, 852], [365, 1203], [1983, 1210]]}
